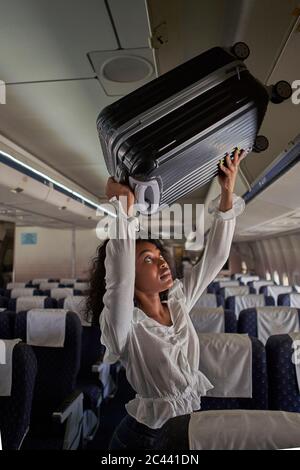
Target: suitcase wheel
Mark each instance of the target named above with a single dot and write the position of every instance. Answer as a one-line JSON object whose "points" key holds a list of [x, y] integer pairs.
{"points": [[240, 50], [261, 144], [281, 91], [147, 194]]}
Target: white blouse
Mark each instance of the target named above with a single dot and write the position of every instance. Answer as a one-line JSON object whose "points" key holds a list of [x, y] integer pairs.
{"points": [[162, 362]]}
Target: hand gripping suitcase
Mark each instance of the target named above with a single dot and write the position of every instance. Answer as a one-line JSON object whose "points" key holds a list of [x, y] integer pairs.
{"points": [[167, 138]]}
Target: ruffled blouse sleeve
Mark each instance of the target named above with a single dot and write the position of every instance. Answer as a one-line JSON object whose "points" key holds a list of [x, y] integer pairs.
{"points": [[116, 316], [216, 251]]}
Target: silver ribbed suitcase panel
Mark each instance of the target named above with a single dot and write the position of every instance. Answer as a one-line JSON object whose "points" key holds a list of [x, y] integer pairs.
{"points": [[203, 154], [166, 140]]}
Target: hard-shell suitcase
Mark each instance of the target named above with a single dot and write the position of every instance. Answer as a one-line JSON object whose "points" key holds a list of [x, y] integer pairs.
{"points": [[167, 138]]}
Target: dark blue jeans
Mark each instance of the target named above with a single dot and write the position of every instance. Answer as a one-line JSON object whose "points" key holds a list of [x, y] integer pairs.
{"points": [[130, 434], [172, 436]]}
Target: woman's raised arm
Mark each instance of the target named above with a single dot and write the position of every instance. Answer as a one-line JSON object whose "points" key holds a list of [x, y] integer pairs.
{"points": [[220, 236], [115, 319]]}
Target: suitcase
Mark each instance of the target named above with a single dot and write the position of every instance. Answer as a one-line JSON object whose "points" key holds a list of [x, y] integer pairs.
{"points": [[167, 138]]}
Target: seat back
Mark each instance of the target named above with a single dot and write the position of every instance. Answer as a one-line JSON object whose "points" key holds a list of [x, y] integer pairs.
{"points": [[263, 322], [57, 366], [216, 286], [210, 300], [213, 320], [92, 351], [15, 409], [47, 286], [62, 292], [38, 281], [238, 303], [230, 322], [245, 279], [34, 301], [76, 304], [243, 430], [259, 400], [284, 391], [3, 302], [289, 300], [82, 286], [275, 291], [16, 285], [7, 324], [67, 281], [258, 284], [22, 292], [236, 290]]}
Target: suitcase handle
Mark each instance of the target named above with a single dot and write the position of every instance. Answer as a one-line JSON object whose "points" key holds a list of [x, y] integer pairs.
{"points": [[147, 195]]}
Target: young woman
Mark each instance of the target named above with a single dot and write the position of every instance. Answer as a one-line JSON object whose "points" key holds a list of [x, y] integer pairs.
{"points": [[155, 339]]}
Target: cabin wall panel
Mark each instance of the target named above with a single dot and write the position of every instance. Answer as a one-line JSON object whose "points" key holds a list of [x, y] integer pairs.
{"points": [[52, 255], [278, 253]]}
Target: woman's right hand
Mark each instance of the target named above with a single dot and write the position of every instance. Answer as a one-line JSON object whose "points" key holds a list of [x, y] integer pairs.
{"points": [[116, 189]]}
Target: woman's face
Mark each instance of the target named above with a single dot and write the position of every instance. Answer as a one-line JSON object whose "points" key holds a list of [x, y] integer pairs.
{"points": [[153, 274]]}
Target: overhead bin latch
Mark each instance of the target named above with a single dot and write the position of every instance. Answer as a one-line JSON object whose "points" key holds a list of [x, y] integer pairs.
{"points": [[159, 36]]}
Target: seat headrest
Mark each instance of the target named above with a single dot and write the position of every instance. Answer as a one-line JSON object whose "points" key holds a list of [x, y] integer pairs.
{"points": [[46, 327], [27, 303], [77, 304], [247, 301], [207, 300], [61, 292], [226, 360], [208, 319], [21, 292], [244, 430], [276, 321]]}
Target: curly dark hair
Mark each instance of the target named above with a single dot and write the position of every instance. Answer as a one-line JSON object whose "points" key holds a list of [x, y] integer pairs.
{"points": [[94, 303]]}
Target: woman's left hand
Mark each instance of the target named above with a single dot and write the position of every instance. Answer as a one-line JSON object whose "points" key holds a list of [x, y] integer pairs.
{"points": [[228, 174]]}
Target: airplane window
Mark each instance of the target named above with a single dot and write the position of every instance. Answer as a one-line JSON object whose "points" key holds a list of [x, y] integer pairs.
{"points": [[276, 278], [268, 276], [285, 280], [244, 267]]}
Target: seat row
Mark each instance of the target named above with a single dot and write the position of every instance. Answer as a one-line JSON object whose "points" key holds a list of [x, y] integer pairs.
{"points": [[55, 292], [259, 322], [258, 287], [237, 303], [248, 375], [245, 375], [275, 328], [55, 376], [63, 282], [47, 300]]}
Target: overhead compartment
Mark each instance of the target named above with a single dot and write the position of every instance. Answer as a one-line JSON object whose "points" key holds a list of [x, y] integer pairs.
{"points": [[25, 191]]}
